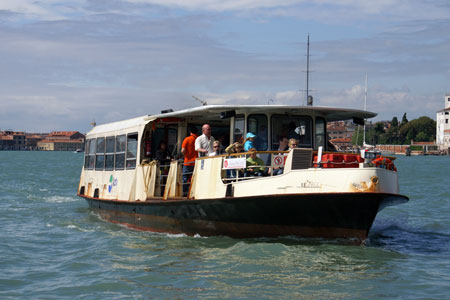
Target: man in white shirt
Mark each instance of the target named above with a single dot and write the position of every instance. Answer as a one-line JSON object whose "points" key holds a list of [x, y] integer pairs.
{"points": [[204, 143]]}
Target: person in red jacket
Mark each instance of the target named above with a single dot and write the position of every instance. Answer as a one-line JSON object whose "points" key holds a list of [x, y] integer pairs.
{"points": [[188, 150]]}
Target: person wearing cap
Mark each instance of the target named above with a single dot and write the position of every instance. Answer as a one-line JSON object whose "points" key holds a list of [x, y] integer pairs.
{"points": [[249, 139]]}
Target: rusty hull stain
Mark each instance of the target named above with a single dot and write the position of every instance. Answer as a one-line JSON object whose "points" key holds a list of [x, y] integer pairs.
{"points": [[364, 187]]}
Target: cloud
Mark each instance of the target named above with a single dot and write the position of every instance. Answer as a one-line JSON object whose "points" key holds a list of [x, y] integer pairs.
{"points": [[73, 61]]}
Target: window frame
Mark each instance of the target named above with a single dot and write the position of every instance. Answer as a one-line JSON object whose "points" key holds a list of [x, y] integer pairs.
{"points": [[121, 153], [311, 129], [100, 153], [86, 153], [235, 136], [258, 133], [91, 151], [324, 134], [109, 154], [131, 162]]}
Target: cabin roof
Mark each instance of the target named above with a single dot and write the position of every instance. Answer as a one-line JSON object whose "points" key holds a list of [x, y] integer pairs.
{"points": [[332, 114], [115, 126], [211, 112]]}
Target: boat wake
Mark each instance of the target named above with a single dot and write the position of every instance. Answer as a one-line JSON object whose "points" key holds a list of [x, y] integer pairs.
{"points": [[397, 236]]}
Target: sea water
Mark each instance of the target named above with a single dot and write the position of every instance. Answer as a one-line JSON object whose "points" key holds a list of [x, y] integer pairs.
{"points": [[52, 246]]}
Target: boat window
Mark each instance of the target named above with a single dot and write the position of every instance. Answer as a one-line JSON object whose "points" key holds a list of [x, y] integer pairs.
{"points": [[92, 154], [320, 133], [86, 154], [168, 134], [132, 139], [257, 124], [109, 157], [100, 154], [239, 127], [120, 152], [221, 133], [297, 127]]}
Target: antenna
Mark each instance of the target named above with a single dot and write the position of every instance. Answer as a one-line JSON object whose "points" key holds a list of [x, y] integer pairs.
{"points": [[309, 98], [365, 108], [307, 71], [200, 100]]}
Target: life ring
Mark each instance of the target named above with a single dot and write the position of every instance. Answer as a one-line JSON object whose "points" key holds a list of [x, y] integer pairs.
{"points": [[383, 162]]}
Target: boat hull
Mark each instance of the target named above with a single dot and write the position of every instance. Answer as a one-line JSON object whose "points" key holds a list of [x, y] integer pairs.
{"points": [[324, 215]]}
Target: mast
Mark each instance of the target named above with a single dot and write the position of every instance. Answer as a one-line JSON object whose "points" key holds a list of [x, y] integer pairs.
{"points": [[307, 71], [365, 108], [309, 98]]}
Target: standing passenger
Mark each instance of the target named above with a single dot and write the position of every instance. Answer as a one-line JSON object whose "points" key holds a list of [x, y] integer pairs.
{"points": [[249, 139], [204, 143], [188, 150]]}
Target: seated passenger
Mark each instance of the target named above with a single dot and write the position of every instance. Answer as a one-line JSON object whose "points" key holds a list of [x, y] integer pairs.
{"points": [[282, 146], [216, 149], [234, 148], [163, 155], [293, 143], [255, 165]]}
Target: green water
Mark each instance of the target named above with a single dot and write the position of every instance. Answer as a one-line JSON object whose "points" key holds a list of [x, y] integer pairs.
{"points": [[54, 247]]}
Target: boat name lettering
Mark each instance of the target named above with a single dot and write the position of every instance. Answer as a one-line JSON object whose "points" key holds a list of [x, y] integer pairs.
{"points": [[310, 185]]}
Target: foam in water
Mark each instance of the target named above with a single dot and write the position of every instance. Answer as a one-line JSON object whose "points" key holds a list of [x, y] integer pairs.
{"points": [[59, 199]]}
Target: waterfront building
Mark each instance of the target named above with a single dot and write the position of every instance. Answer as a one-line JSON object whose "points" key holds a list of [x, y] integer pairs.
{"points": [[340, 134], [12, 140], [443, 126], [62, 141], [31, 140]]}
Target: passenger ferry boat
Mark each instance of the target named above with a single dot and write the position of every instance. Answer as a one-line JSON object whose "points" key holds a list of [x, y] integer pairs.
{"points": [[319, 194]]}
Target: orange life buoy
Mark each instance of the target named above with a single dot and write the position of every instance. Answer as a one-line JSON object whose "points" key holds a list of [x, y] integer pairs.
{"points": [[383, 162]]}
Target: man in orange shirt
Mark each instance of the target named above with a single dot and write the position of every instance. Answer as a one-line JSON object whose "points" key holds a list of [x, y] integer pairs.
{"points": [[188, 150]]}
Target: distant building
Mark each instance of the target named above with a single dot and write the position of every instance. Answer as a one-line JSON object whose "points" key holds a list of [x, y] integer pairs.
{"points": [[443, 126], [6, 142], [61, 145], [342, 144], [62, 141], [31, 140], [56, 140], [340, 134], [12, 140]]}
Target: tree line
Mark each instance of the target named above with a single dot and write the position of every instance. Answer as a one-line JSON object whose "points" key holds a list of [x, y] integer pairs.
{"points": [[422, 129]]}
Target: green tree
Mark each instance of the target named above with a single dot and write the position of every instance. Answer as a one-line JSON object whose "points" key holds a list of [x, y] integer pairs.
{"points": [[421, 137], [422, 129], [394, 122], [357, 138], [404, 119]]}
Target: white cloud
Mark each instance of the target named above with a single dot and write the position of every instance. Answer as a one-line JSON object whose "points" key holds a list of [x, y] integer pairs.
{"points": [[73, 61]]}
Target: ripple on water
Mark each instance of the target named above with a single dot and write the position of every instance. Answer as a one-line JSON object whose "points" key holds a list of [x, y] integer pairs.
{"points": [[54, 247]]}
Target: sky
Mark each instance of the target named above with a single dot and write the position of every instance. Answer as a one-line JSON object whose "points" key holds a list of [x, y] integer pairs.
{"points": [[67, 63]]}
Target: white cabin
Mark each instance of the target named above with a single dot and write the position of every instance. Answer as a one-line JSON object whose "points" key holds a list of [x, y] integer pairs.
{"points": [[119, 157]]}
